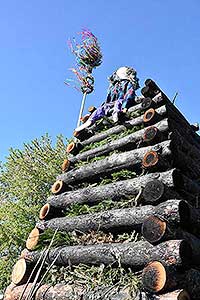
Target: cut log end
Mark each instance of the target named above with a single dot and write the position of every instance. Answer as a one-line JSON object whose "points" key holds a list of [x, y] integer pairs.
{"points": [[145, 91], [70, 147], [149, 82], [153, 229], [33, 239], [149, 115], [150, 159], [146, 103], [19, 273], [76, 133], [58, 187], [150, 134], [153, 191], [154, 277], [44, 211], [65, 165]]}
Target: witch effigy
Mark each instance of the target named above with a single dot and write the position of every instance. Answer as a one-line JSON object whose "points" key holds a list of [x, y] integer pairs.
{"points": [[122, 83], [120, 96]]}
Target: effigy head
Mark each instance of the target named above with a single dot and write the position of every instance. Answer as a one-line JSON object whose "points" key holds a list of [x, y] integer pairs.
{"points": [[125, 73]]}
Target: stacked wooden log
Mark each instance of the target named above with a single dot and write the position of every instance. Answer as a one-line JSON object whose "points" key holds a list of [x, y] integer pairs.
{"points": [[159, 150]]}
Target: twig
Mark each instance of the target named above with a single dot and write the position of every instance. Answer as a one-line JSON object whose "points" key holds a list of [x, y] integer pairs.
{"points": [[175, 96]]}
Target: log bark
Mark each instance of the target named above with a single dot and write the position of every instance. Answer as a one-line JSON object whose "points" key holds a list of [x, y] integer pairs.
{"points": [[123, 189], [89, 135], [134, 254], [128, 142], [73, 292], [154, 90], [157, 278], [185, 133], [116, 219], [175, 295], [108, 165], [189, 166], [184, 145], [78, 292]]}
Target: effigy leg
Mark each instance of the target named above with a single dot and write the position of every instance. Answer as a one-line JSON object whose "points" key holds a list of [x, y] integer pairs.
{"points": [[99, 113]]}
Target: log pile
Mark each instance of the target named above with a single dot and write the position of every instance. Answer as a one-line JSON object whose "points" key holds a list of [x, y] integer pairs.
{"points": [[148, 169]]}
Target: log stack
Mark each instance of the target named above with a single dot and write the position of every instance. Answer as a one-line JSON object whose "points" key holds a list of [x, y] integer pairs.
{"points": [[148, 167]]}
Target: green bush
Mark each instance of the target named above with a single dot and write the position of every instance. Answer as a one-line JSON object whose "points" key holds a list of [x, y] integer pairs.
{"points": [[25, 181]]}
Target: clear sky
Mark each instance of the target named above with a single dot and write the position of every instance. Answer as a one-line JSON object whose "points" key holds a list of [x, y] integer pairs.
{"points": [[160, 39]]}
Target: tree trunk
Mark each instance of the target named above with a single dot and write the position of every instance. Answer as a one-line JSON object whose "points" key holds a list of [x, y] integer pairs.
{"points": [[134, 254], [135, 121], [154, 191], [110, 164], [122, 189], [128, 142]]}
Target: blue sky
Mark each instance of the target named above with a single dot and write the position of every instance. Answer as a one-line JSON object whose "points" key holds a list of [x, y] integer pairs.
{"points": [[159, 38]]}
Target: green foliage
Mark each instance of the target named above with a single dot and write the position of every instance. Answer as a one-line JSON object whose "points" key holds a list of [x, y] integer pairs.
{"points": [[112, 137], [25, 181], [92, 276], [79, 209]]}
